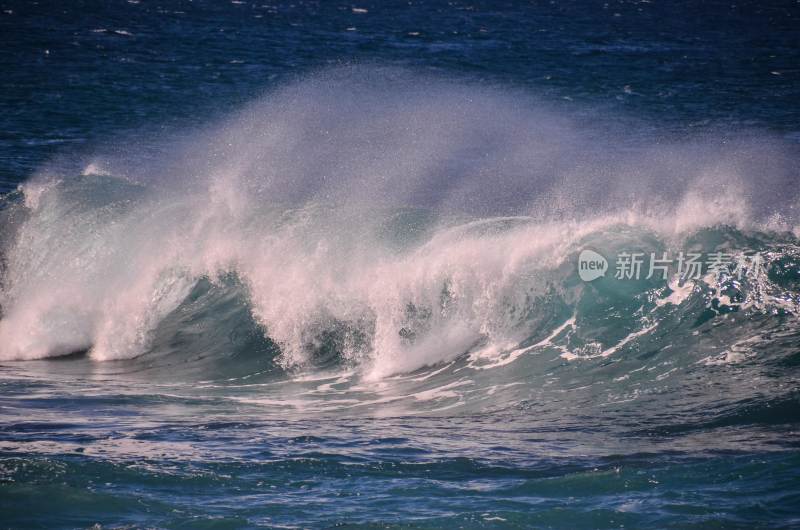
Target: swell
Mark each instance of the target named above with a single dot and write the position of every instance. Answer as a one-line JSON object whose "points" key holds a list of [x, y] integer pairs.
{"points": [[282, 240]]}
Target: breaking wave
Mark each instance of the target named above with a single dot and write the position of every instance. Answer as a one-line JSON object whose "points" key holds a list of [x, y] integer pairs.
{"points": [[378, 222]]}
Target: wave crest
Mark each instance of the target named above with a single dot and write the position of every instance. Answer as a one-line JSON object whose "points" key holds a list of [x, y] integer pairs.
{"points": [[303, 199]]}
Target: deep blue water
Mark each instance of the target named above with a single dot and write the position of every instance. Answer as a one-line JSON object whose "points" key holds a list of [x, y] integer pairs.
{"points": [[313, 264]]}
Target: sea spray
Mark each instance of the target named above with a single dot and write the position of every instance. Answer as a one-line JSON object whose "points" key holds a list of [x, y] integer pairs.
{"points": [[389, 219]]}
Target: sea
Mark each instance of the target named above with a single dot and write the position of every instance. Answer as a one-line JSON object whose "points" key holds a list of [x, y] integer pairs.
{"points": [[399, 264]]}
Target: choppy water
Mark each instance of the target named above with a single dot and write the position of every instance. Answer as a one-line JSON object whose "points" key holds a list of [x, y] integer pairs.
{"points": [[317, 265]]}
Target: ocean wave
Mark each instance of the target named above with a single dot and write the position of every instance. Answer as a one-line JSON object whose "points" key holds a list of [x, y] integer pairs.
{"points": [[434, 228]]}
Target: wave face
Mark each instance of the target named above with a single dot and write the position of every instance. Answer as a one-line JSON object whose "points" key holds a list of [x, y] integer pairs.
{"points": [[375, 222]]}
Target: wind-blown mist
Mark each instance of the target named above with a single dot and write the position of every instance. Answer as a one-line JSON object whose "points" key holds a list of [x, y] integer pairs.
{"points": [[381, 221]]}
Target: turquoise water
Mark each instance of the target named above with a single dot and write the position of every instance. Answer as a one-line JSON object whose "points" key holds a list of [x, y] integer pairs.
{"points": [[317, 265]]}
